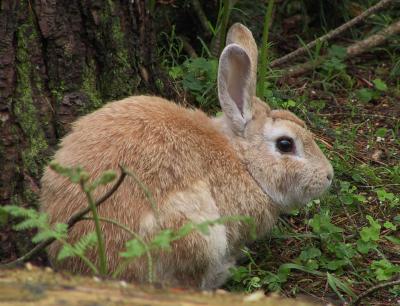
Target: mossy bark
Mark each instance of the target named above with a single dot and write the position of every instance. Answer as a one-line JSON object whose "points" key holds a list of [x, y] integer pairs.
{"points": [[59, 60]]}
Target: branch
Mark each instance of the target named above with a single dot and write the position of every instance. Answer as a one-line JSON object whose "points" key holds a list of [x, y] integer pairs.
{"points": [[351, 51], [78, 216], [332, 34], [202, 16], [373, 289], [71, 222], [188, 47]]}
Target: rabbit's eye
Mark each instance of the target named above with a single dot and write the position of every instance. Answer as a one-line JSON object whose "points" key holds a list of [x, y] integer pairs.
{"points": [[285, 145]]}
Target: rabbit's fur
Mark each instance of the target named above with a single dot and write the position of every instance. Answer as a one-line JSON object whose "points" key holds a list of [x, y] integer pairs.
{"points": [[197, 169]]}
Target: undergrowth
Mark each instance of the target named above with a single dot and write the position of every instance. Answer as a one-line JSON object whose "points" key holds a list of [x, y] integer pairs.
{"points": [[347, 241]]}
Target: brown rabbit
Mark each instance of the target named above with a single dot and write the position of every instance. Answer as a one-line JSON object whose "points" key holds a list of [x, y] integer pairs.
{"points": [[252, 161]]}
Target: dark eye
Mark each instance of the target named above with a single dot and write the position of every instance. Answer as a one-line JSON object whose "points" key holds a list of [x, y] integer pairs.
{"points": [[285, 145]]}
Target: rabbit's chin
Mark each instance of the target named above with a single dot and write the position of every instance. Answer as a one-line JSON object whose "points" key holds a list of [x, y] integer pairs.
{"points": [[295, 198]]}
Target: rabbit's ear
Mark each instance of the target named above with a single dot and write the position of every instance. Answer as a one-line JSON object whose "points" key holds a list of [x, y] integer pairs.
{"points": [[234, 87], [241, 35]]}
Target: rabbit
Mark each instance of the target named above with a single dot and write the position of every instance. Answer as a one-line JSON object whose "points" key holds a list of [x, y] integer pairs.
{"points": [[251, 161]]}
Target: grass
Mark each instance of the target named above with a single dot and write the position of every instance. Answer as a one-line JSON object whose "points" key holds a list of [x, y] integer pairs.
{"points": [[348, 240]]}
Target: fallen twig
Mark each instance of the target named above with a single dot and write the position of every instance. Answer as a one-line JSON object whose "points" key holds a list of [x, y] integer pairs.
{"points": [[188, 47], [351, 51], [373, 289], [71, 222], [332, 34]]}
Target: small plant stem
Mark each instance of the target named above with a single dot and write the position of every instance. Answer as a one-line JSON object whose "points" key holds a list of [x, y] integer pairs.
{"points": [[83, 257], [71, 222], [218, 43], [146, 191], [152, 6], [136, 236], [100, 239], [224, 24], [264, 49]]}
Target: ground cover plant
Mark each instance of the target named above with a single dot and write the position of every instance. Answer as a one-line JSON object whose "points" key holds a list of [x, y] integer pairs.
{"points": [[347, 241], [339, 246]]}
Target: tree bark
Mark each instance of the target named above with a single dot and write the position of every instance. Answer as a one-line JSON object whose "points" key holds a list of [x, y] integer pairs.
{"points": [[59, 60]]}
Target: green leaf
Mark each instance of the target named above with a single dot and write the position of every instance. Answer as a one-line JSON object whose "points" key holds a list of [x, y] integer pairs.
{"points": [[344, 250], [384, 269], [239, 273], [347, 198], [309, 253], [3, 217], [380, 85], [337, 51], [336, 283], [107, 177], [17, 211], [365, 95], [383, 195], [26, 224], [289, 266], [365, 246], [360, 198], [85, 243], [311, 264], [389, 225], [203, 228], [176, 72], [321, 224], [134, 248], [44, 235], [163, 239], [184, 231], [61, 230], [372, 232], [283, 273], [66, 251], [381, 132], [393, 239], [334, 265]]}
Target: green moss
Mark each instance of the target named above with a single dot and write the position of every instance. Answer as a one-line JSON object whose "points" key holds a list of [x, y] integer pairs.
{"points": [[24, 109], [117, 80], [90, 89]]}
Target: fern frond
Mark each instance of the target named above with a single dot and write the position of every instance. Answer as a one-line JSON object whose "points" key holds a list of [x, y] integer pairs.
{"points": [[66, 251], [134, 248], [43, 235], [26, 224], [17, 211], [85, 243], [61, 231]]}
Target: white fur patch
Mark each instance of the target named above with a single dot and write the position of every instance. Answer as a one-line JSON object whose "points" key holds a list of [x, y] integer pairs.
{"points": [[148, 224], [273, 130], [198, 205]]}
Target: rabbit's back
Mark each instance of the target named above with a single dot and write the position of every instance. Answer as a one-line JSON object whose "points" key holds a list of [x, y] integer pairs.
{"points": [[169, 148]]}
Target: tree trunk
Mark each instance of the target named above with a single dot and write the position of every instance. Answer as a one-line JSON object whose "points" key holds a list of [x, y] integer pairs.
{"points": [[58, 60]]}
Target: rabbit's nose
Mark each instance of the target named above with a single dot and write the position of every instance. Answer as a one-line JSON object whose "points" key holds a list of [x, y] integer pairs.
{"points": [[330, 176]]}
